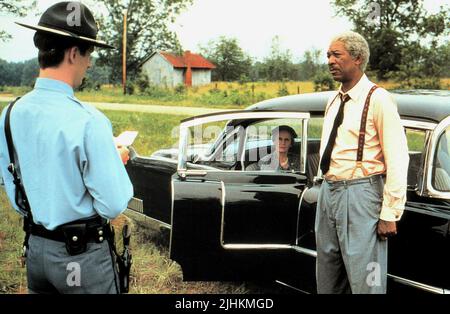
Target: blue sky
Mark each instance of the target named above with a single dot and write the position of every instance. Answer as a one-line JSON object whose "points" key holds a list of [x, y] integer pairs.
{"points": [[300, 24]]}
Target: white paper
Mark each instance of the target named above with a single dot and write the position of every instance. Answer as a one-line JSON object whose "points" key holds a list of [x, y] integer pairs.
{"points": [[125, 138]]}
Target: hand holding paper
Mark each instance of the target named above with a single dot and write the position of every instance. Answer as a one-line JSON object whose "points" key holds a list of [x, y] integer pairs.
{"points": [[124, 154], [122, 141], [125, 138]]}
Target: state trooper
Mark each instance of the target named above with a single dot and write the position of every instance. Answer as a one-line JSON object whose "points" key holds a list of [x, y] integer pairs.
{"points": [[60, 166]]}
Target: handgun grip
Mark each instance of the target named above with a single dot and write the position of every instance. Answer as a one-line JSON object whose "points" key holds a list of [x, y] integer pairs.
{"points": [[126, 233]]}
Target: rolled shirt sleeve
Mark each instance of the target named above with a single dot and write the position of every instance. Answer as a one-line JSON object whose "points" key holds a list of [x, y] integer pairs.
{"points": [[395, 151], [104, 174]]}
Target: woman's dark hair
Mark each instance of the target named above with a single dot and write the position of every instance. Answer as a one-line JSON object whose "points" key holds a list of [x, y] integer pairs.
{"points": [[52, 48], [287, 128]]}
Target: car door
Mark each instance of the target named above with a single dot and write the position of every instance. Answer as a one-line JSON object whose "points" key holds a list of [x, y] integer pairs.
{"points": [[418, 255], [229, 223]]}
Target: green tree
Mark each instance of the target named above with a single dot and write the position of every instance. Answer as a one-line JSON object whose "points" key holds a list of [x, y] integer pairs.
{"points": [[16, 8], [311, 65], [29, 73], [390, 26], [147, 31], [278, 66], [10, 73], [231, 62]]}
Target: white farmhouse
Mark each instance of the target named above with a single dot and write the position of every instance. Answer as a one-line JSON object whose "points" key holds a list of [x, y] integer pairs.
{"points": [[169, 70]]}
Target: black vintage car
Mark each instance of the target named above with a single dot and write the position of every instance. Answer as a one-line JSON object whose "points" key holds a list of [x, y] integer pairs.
{"points": [[229, 222]]}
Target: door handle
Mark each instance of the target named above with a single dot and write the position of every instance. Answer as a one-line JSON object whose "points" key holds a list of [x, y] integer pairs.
{"points": [[192, 173]]}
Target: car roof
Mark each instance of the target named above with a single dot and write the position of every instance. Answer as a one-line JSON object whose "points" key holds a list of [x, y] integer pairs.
{"points": [[425, 105]]}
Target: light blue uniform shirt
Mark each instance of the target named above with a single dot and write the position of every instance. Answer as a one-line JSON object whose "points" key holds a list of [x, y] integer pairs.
{"points": [[69, 164]]}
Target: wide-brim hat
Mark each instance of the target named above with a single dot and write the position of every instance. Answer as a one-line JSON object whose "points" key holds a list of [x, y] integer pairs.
{"points": [[70, 19]]}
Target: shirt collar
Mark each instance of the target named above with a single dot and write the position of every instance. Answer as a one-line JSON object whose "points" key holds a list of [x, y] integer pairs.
{"points": [[356, 91], [54, 85]]}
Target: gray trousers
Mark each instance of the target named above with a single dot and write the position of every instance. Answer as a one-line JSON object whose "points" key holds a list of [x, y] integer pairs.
{"points": [[350, 256], [50, 270]]}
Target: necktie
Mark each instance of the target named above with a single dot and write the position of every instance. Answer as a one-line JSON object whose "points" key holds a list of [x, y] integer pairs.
{"points": [[326, 158]]}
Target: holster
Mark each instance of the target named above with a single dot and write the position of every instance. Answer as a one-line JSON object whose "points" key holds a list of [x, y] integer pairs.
{"points": [[75, 238]]}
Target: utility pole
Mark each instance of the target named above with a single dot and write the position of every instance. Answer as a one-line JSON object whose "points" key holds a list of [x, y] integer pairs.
{"points": [[124, 52]]}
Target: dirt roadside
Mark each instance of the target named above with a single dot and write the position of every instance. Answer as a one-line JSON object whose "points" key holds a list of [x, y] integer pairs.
{"points": [[184, 111]]}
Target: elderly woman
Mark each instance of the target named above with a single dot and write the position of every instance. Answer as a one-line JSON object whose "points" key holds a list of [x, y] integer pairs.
{"points": [[281, 158]]}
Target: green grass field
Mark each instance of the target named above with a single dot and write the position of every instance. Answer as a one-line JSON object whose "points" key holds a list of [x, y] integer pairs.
{"points": [[229, 95]]}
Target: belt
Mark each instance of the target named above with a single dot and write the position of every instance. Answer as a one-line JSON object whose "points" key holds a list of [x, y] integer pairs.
{"points": [[95, 229], [371, 179]]}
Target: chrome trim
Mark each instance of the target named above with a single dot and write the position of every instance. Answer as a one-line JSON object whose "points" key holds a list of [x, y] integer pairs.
{"points": [[222, 222], [418, 124], [246, 246], [305, 251], [182, 148], [159, 158], [430, 190], [417, 285], [145, 218], [192, 173], [242, 246], [421, 183], [291, 287], [246, 115], [243, 151], [440, 214], [304, 148], [298, 214], [172, 194], [136, 204]]}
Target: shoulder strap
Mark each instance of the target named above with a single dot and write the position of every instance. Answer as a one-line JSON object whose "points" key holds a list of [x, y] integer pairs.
{"points": [[20, 197], [362, 129]]}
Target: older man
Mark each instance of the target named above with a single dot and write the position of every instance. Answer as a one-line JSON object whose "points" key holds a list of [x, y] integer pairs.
{"points": [[364, 161]]}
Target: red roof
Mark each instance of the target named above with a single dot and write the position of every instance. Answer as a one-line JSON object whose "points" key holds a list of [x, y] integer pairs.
{"points": [[195, 60]]}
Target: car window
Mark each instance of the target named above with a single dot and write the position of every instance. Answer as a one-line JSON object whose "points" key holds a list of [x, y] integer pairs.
{"points": [[416, 148], [315, 128], [273, 145], [441, 165], [214, 144]]}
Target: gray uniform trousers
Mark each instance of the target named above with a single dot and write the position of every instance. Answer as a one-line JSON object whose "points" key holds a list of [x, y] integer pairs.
{"points": [[350, 256], [51, 270]]}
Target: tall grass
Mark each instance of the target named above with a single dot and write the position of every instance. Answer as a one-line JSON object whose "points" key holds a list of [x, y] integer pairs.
{"points": [[12, 275], [217, 94]]}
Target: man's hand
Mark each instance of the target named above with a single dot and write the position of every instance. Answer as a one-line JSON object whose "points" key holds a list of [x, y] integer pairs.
{"points": [[386, 229], [124, 154]]}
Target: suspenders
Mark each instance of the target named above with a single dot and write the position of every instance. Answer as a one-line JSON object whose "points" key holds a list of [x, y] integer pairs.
{"points": [[362, 128], [362, 131]]}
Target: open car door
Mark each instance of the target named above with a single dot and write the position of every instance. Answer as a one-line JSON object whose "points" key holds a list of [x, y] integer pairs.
{"points": [[229, 223]]}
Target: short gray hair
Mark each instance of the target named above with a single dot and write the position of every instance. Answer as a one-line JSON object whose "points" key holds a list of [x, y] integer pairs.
{"points": [[356, 46]]}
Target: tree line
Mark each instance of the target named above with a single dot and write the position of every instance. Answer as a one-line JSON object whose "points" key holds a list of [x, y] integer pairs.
{"points": [[408, 44]]}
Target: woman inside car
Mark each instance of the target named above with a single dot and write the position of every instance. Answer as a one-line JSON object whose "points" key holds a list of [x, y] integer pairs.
{"points": [[281, 158]]}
